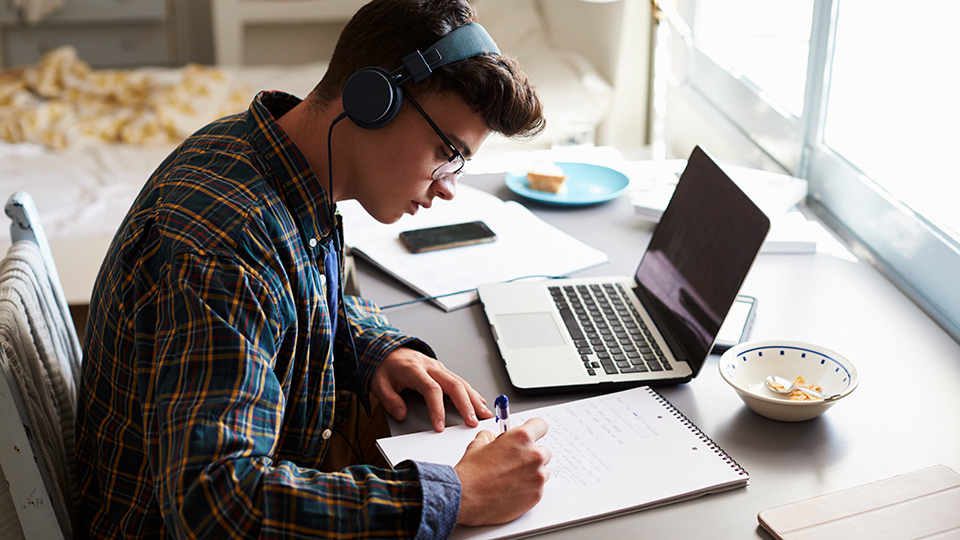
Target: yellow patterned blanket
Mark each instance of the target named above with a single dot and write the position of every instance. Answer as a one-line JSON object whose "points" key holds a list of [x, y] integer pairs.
{"points": [[62, 102]]}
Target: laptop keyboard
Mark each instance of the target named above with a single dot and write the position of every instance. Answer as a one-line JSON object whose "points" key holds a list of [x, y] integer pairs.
{"points": [[607, 330]]}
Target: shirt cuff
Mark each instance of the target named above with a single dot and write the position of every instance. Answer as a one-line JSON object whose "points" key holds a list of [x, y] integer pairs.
{"points": [[441, 499]]}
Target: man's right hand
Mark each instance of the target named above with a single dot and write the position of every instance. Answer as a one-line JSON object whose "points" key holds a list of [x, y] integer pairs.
{"points": [[503, 477]]}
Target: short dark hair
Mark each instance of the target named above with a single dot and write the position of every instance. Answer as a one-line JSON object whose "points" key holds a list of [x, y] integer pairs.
{"points": [[382, 32]]}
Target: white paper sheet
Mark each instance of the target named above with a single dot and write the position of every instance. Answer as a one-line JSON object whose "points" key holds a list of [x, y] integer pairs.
{"points": [[525, 246]]}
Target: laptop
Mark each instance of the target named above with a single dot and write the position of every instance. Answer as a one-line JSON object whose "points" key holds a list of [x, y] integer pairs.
{"points": [[656, 327]]}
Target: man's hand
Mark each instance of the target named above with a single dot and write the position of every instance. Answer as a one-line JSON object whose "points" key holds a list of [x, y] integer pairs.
{"points": [[406, 368], [503, 477]]}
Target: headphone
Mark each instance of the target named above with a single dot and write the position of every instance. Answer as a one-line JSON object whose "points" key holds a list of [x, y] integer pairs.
{"points": [[372, 96]]}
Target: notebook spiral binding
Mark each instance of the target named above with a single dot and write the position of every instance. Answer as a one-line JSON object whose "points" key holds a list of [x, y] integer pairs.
{"points": [[696, 430]]}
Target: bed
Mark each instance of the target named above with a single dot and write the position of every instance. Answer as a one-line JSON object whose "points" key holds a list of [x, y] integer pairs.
{"points": [[82, 142], [84, 162]]}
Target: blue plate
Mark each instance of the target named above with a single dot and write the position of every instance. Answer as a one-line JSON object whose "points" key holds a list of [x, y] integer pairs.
{"points": [[586, 184]]}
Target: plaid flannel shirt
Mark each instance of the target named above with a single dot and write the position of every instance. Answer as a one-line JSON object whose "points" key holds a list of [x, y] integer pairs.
{"points": [[211, 356]]}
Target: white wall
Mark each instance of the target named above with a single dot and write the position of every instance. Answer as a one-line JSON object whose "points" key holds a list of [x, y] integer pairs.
{"points": [[626, 125], [193, 34]]}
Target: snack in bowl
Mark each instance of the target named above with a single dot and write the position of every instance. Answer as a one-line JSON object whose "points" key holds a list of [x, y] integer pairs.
{"points": [[745, 367], [547, 176], [799, 395]]}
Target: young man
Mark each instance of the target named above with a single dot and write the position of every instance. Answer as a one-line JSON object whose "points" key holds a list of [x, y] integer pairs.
{"points": [[221, 354]]}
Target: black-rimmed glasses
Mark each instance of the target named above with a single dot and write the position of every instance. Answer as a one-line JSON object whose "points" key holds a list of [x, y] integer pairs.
{"points": [[454, 165]]}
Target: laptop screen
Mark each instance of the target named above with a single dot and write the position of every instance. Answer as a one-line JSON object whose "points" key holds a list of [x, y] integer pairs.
{"points": [[689, 280]]}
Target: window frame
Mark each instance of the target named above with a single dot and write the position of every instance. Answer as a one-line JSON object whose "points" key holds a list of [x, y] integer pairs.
{"points": [[913, 252]]}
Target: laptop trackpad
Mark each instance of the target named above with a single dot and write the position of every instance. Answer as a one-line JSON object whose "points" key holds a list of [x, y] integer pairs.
{"points": [[525, 330]]}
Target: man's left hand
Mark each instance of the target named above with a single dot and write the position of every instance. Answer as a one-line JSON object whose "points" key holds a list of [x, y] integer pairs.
{"points": [[406, 368]]}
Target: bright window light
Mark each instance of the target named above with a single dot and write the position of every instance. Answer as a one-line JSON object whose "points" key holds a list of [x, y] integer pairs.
{"points": [[893, 108], [764, 42]]}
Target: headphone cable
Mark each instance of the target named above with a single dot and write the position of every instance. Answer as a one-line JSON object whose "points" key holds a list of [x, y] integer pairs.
{"points": [[472, 289], [333, 203], [358, 448]]}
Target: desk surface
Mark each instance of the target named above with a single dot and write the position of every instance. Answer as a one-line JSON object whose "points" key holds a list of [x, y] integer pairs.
{"points": [[904, 416]]}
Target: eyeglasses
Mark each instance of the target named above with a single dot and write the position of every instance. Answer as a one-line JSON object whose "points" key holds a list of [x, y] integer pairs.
{"points": [[454, 165]]}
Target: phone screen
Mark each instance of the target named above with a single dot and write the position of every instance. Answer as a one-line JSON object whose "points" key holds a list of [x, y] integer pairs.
{"points": [[736, 326], [447, 236]]}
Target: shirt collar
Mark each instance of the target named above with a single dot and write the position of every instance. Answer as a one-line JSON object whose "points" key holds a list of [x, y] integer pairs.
{"points": [[301, 191]]}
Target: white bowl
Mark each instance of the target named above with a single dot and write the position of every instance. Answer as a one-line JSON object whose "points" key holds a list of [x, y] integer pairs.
{"points": [[747, 365]]}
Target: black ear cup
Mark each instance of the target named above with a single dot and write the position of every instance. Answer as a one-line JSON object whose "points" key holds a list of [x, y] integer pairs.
{"points": [[371, 98]]}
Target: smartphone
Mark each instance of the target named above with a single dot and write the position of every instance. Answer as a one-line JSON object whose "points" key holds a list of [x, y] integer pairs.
{"points": [[447, 236], [736, 327]]}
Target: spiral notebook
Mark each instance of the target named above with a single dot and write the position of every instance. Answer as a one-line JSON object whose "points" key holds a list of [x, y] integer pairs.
{"points": [[612, 454]]}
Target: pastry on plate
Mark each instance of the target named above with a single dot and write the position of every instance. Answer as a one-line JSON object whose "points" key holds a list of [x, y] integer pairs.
{"points": [[547, 176]]}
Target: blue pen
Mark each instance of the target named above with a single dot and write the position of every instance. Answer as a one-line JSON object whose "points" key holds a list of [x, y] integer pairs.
{"points": [[502, 408]]}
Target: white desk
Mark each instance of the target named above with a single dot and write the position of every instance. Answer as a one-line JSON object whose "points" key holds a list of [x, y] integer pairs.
{"points": [[904, 416]]}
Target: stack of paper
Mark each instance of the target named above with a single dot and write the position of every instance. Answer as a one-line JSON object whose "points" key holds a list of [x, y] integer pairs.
{"points": [[526, 246], [773, 193], [791, 232]]}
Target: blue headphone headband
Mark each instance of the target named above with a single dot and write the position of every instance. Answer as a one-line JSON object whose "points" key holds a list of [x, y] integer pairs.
{"points": [[372, 96], [464, 42]]}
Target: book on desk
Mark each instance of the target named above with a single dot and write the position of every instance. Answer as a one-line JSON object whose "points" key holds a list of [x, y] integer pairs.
{"points": [[776, 194]]}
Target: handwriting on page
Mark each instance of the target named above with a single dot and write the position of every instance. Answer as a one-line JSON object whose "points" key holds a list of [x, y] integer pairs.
{"points": [[587, 437]]}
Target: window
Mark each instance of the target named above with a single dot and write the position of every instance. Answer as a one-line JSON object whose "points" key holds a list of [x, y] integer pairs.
{"points": [[763, 41], [892, 105], [858, 97]]}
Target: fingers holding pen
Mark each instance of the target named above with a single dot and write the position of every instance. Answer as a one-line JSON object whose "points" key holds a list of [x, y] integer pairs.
{"points": [[511, 465]]}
